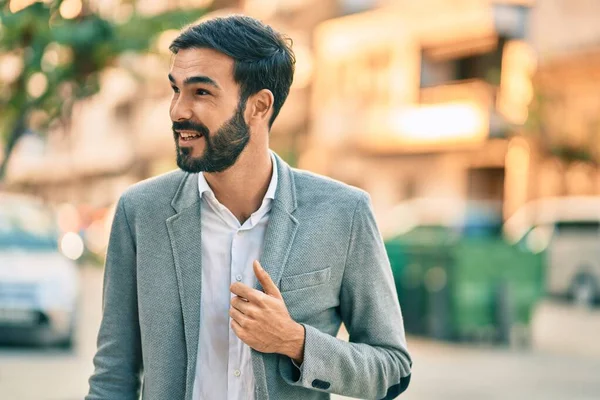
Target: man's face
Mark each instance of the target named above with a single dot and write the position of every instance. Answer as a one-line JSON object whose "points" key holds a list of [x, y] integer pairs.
{"points": [[209, 128]]}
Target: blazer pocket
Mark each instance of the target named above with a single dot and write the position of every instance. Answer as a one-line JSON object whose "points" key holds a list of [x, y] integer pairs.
{"points": [[303, 281]]}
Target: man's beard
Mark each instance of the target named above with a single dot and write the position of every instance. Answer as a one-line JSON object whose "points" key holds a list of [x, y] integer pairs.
{"points": [[222, 148]]}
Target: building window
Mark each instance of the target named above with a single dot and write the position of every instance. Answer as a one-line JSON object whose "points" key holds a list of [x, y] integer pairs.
{"points": [[443, 69], [486, 184]]}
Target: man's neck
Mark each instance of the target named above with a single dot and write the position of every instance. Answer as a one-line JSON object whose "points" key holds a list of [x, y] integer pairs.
{"points": [[242, 187]]}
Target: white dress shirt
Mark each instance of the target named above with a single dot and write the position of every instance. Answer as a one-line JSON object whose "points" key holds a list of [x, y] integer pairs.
{"points": [[224, 366]]}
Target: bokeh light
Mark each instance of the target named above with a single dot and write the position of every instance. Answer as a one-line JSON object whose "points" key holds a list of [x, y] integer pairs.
{"points": [[435, 279], [70, 9], [50, 59], [18, 5], [37, 84], [11, 66], [71, 245]]}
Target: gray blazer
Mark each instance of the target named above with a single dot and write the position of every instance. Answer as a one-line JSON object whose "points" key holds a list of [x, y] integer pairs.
{"points": [[322, 248]]}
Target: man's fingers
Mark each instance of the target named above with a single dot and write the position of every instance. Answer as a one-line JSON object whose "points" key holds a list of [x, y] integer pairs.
{"points": [[240, 304], [265, 280], [237, 316], [244, 291], [237, 328]]}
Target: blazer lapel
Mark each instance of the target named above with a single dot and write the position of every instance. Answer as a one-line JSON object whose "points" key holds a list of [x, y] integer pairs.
{"points": [[282, 225], [186, 241], [279, 237]]}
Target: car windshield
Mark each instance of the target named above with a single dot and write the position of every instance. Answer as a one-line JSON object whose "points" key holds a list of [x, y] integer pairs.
{"points": [[25, 224]]}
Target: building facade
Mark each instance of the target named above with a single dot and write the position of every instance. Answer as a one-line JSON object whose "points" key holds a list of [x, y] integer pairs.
{"points": [[423, 100]]}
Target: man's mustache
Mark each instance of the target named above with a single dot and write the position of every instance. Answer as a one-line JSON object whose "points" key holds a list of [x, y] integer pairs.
{"points": [[190, 126]]}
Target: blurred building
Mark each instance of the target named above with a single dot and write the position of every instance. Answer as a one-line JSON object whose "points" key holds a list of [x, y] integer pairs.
{"points": [[566, 36], [419, 99]]}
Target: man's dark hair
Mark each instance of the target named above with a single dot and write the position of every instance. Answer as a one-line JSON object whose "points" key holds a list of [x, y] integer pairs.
{"points": [[263, 58]]}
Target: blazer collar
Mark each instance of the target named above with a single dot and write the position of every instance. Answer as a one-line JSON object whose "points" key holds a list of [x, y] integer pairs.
{"points": [[285, 195]]}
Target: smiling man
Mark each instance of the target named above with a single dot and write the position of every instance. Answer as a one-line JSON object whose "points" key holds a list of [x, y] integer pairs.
{"points": [[230, 278]]}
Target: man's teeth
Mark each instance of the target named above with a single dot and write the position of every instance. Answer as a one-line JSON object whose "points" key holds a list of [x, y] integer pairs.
{"points": [[188, 135]]}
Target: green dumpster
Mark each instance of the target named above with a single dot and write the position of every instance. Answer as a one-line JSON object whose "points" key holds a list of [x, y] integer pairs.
{"points": [[463, 284]]}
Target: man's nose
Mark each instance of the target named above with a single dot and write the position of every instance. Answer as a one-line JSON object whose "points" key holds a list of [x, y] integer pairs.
{"points": [[181, 110]]}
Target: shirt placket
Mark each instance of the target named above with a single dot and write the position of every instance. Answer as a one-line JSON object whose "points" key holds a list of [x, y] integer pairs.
{"points": [[235, 372]]}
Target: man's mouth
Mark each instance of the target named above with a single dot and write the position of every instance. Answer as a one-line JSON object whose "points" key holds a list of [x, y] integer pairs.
{"points": [[188, 136]]}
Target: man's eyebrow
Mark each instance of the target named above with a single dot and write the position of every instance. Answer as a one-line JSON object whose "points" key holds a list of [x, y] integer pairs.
{"points": [[197, 79]]}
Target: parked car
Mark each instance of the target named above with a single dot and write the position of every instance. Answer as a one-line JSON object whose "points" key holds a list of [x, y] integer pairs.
{"points": [[38, 285], [567, 231]]}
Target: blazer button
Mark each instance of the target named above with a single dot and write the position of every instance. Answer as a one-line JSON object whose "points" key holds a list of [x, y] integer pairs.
{"points": [[319, 384]]}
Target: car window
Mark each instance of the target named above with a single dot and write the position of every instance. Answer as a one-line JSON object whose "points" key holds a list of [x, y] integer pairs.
{"points": [[577, 227], [26, 224]]}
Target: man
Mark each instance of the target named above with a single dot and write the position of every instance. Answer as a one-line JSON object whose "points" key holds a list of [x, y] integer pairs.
{"points": [[230, 279]]}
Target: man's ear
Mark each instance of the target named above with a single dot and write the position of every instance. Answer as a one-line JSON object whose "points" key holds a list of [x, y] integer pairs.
{"points": [[260, 106]]}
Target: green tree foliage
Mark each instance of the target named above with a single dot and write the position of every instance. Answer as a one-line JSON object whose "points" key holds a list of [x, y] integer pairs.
{"points": [[59, 61]]}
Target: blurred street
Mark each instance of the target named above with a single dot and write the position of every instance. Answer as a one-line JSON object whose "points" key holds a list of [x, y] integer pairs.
{"points": [[440, 370]]}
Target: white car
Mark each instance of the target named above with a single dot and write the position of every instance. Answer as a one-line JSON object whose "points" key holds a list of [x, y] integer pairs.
{"points": [[567, 229], [39, 286]]}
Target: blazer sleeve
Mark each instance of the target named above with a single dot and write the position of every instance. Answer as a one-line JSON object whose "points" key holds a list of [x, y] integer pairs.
{"points": [[118, 360], [375, 363]]}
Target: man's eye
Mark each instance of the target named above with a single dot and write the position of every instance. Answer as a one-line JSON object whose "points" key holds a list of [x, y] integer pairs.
{"points": [[202, 92], [175, 90]]}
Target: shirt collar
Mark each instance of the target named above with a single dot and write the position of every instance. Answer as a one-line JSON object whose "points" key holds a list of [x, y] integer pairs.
{"points": [[271, 190]]}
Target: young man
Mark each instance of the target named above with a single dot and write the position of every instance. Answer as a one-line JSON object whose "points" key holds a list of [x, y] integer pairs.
{"points": [[230, 278]]}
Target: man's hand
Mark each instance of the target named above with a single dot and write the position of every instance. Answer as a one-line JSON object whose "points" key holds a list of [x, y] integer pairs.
{"points": [[262, 321]]}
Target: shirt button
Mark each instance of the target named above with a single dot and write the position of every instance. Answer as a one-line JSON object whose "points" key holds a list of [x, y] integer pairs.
{"points": [[238, 278], [237, 372]]}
